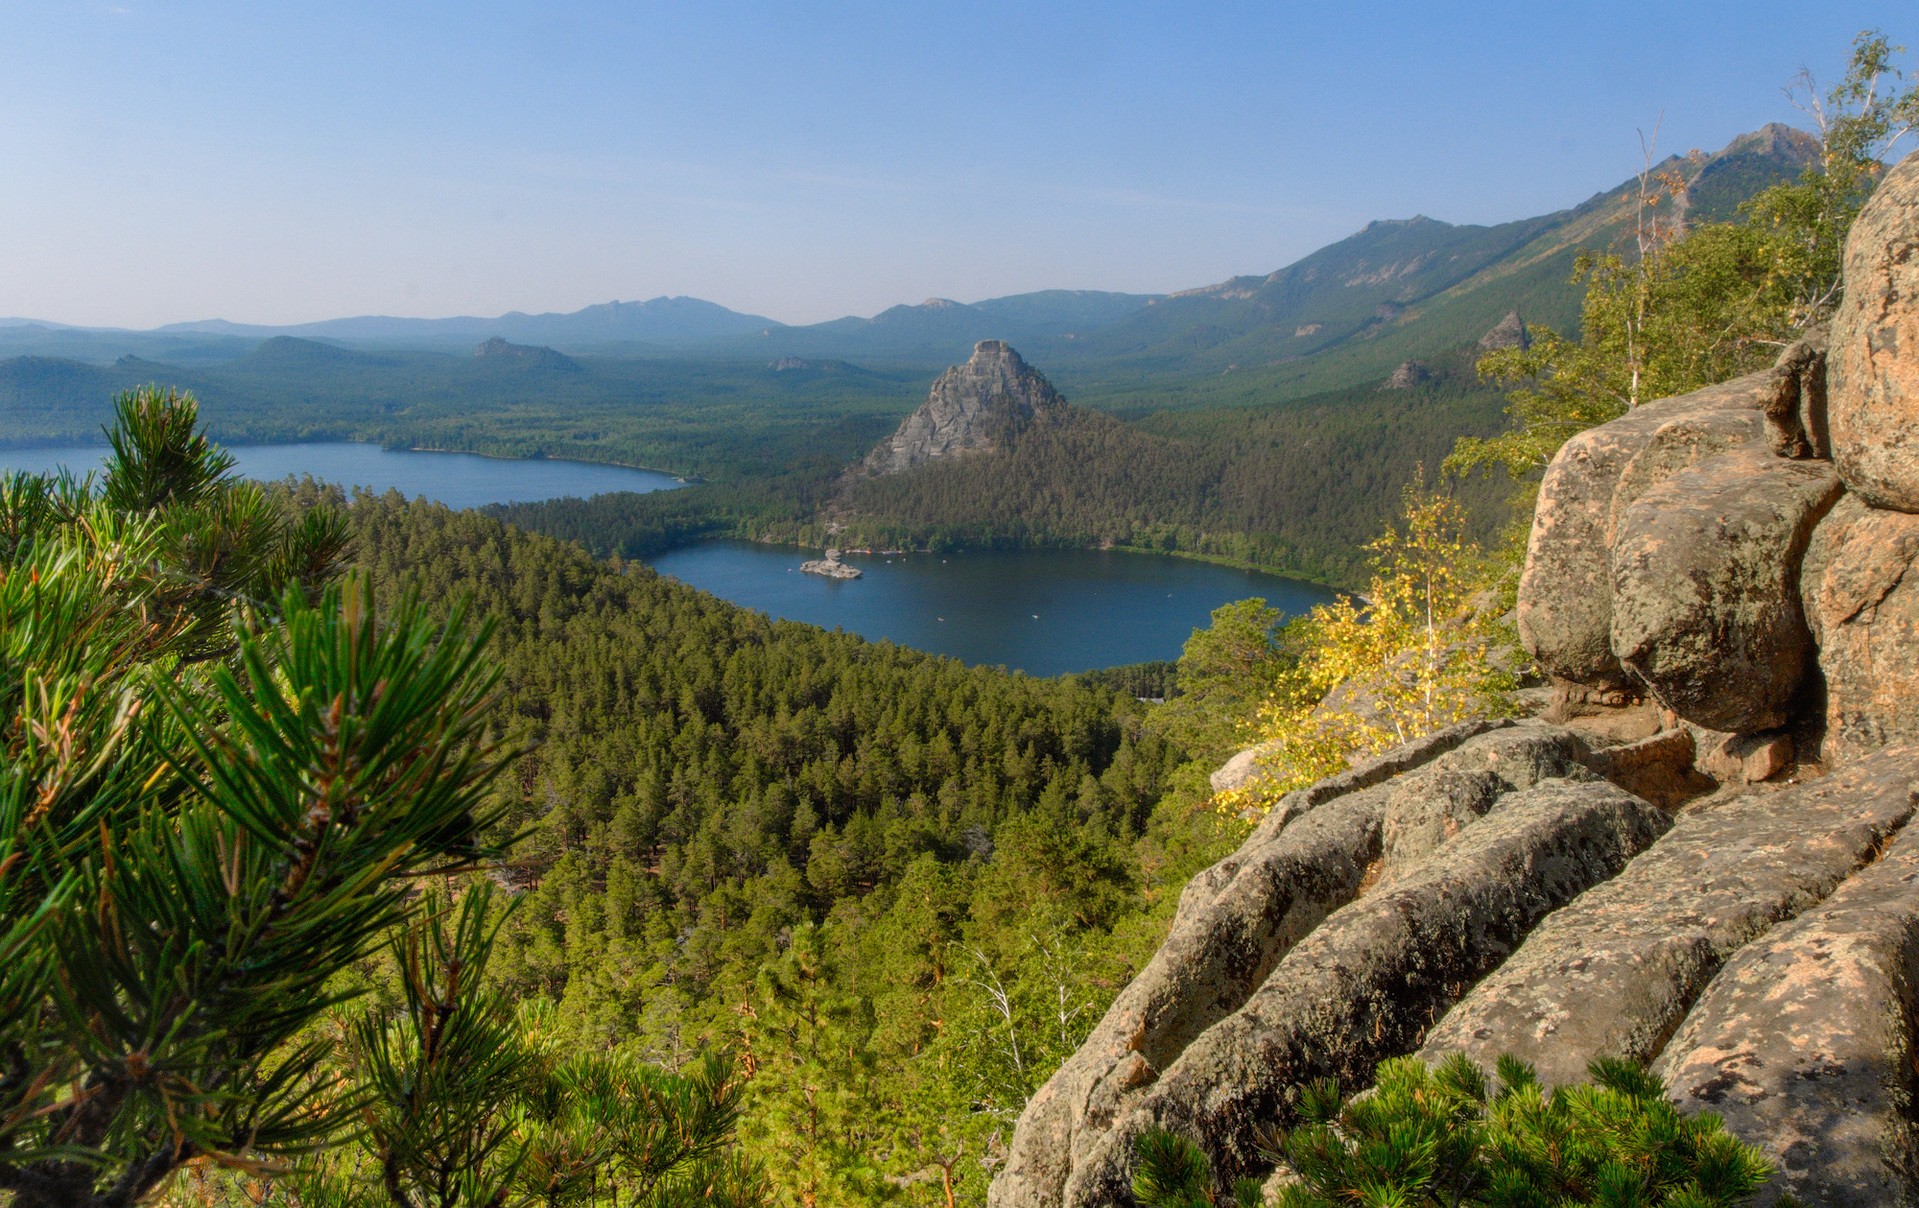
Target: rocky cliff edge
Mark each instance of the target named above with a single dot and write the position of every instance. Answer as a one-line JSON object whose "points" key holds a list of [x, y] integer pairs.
{"points": [[1729, 569]]}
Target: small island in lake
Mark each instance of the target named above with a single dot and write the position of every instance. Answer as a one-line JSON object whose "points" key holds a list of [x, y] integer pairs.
{"points": [[830, 566]]}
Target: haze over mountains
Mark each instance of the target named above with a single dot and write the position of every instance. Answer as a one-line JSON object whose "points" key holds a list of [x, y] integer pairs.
{"points": [[1347, 313]]}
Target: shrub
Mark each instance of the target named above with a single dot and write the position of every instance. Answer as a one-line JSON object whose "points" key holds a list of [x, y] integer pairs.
{"points": [[1449, 1137]]}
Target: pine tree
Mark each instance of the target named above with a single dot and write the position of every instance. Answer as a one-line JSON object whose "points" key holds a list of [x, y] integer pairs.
{"points": [[810, 1093], [219, 778], [469, 1102]]}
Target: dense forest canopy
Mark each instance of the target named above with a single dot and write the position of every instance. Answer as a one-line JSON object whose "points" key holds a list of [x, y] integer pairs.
{"points": [[698, 905], [736, 826]]}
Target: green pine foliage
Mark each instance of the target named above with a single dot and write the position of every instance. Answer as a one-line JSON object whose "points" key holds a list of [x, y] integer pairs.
{"points": [[216, 787], [1450, 1138], [900, 889], [810, 1035], [225, 782], [468, 1101]]}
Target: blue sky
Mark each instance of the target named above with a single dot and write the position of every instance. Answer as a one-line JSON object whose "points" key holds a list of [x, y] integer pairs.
{"points": [[280, 162]]}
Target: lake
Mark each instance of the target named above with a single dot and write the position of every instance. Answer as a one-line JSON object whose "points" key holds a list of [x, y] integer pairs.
{"points": [[1045, 612], [459, 480]]}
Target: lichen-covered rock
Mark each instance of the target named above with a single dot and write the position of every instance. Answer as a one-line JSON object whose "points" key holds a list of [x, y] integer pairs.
{"points": [[1862, 604], [1237, 919], [1362, 986], [1565, 593], [1705, 586], [1367, 773], [1678, 445], [1425, 812], [1616, 971], [1804, 1041], [1873, 370]]}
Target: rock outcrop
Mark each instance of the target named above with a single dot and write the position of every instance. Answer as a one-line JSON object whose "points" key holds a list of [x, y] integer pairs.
{"points": [[1804, 1040], [1709, 866], [1875, 349], [1358, 909], [829, 566], [537, 356], [1566, 591], [972, 408], [1408, 375], [1705, 590], [1738, 552], [1862, 603], [1509, 332], [1615, 972]]}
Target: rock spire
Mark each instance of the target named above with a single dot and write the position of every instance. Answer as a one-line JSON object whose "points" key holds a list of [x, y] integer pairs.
{"points": [[971, 408]]}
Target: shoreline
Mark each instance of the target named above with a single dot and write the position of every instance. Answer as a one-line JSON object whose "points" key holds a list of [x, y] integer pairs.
{"points": [[70, 443], [578, 461], [1212, 559]]}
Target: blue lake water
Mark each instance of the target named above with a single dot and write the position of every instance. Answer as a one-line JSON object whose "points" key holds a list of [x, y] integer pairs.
{"points": [[1045, 612], [459, 480]]}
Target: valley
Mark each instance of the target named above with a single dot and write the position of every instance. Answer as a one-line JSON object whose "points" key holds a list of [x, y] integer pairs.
{"points": [[1246, 421], [1163, 748]]}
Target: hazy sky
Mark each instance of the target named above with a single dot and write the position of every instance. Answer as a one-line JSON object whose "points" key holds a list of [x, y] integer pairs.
{"points": [[279, 162]]}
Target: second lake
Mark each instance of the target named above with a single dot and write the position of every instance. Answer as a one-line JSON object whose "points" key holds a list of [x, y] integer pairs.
{"points": [[1045, 612], [459, 480]]}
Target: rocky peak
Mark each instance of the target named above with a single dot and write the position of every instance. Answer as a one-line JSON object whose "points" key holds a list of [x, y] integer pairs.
{"points": [[498, 349], [1776, 139], [1408, 375], [1509, 332], [971, 408]]}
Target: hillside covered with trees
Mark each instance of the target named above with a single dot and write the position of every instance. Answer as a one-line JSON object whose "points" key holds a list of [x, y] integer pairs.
{"points": [[356, 851]]}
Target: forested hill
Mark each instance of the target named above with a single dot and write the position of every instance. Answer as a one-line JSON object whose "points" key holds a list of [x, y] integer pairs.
{"points": [[1351, 311], [726, 420], [708, 783], [1298, 487]]}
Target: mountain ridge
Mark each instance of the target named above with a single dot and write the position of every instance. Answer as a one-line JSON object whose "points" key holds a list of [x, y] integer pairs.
{"points": [[1395, 290]]}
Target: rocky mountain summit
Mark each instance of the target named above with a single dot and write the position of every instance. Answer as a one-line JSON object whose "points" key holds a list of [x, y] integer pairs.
{"points": [[973, 407], [1698, 856]]}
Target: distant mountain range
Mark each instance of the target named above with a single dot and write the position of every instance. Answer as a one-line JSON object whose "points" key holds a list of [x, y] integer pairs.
{"points": [[666, 322], [1400, 288], [1346, 313]]}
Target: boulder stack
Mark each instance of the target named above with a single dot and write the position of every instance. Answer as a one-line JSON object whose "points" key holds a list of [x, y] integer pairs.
{"points": [[1733, 564], [1738, 554]]}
